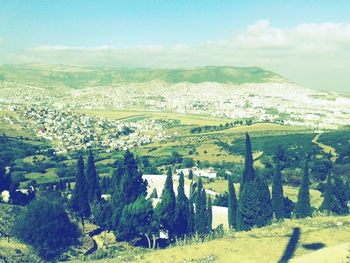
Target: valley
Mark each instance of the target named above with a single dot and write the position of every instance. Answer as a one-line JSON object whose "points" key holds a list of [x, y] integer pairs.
{"points": [[171, 120]]}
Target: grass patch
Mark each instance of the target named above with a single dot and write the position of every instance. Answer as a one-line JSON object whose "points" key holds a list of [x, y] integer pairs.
{"points": [[260, 245]]}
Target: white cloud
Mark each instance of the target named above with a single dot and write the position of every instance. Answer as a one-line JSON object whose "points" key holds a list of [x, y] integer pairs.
{"points": [[307, 53], [260, 38]]}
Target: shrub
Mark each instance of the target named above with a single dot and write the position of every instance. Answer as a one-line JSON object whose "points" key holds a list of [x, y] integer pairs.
{"points": [[45, 226]]}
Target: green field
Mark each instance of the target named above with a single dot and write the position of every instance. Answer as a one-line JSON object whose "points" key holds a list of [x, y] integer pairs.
{"points": [[220, 186], [206, 146], [132, 115]]}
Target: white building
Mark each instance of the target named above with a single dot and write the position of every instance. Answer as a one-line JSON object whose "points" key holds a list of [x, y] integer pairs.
{"points": [[208, 173]]}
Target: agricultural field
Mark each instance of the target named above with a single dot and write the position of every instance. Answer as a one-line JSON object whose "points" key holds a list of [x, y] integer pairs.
{"points": [[220, 186], [212, 147], [133, 115]]}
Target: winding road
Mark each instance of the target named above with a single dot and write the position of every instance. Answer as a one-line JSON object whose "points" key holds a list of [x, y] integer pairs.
{"points": [[326, 148]]}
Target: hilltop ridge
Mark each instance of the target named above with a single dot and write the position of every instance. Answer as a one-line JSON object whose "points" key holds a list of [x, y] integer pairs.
{"points": [[76, 77]]}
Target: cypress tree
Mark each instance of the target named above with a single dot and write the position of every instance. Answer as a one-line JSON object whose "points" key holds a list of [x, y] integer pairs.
{"points": [[192, 190], [181, 212], [200, 214], [190, 220], [104, 185], [209, 216], [329, 204], [248, 173], [154, 194], [232, 204], [190, 175], [132, 184], [277, 193], [127, 186], [341, 195], [303, 207], [255, 208], [92, 180], [165, 210], [80, 203], [2, 176], [265, 210]]}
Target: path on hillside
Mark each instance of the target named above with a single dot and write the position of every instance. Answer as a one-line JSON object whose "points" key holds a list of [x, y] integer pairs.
{"points": [[335, 254], [326, 148]]}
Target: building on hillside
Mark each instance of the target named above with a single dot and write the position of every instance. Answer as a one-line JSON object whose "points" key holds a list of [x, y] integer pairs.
{"points": [[208, 172]]}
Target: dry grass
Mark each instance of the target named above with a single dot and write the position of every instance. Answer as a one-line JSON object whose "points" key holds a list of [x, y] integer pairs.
{"points": [[261, 245]]}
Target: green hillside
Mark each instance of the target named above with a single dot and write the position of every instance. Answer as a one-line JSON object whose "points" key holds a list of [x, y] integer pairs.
{"points": [[49, 76]]}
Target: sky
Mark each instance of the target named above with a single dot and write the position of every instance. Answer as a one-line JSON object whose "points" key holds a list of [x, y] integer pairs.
{"points": [[305, 41]]}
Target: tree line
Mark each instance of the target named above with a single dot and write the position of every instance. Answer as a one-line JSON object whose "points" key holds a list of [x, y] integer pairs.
{"points": [[256, 207], [137, 219]]}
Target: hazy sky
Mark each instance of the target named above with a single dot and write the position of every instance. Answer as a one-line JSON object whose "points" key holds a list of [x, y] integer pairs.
{"points": [[305, 41]]}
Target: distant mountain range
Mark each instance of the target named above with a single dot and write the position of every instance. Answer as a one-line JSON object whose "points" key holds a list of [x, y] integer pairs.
{"points": [[48, 76]]}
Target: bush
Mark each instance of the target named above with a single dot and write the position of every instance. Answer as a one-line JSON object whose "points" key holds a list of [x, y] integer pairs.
{"points": [[45, 226], [221, 200]]}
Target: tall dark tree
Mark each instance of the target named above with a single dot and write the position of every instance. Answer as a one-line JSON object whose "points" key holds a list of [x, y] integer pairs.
{"points": [[154, 194], [137, 221], [165, 210], [190, 175], [92, 180], [255, 208], [266, 211], [330, 203], [341, 195], [277, 193], [2, 176], [200, 214], [102, 215], [302, 208], [192, 190], [281, 157], [127, 185], [190, 219], [232, 204], [79, 202], [209, 216], [181, 211], [132, 183], [248, 173]]}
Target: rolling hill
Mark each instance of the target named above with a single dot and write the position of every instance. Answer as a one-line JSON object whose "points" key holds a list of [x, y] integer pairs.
{"points": [[47, 76]]}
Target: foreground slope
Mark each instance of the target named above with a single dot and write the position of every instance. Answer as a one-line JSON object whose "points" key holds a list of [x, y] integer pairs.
{"points": [[320, 237]]}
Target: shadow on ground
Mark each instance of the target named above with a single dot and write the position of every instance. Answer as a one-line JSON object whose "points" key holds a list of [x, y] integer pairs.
{"points": [[293, 244]]}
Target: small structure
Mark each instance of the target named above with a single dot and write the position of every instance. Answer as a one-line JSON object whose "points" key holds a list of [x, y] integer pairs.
{"points": [[208, 172], [5, 196]]}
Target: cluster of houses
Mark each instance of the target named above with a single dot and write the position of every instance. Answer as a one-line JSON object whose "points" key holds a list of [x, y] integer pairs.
{"points": [[71, 131], [273, 102], [280, 102]]}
